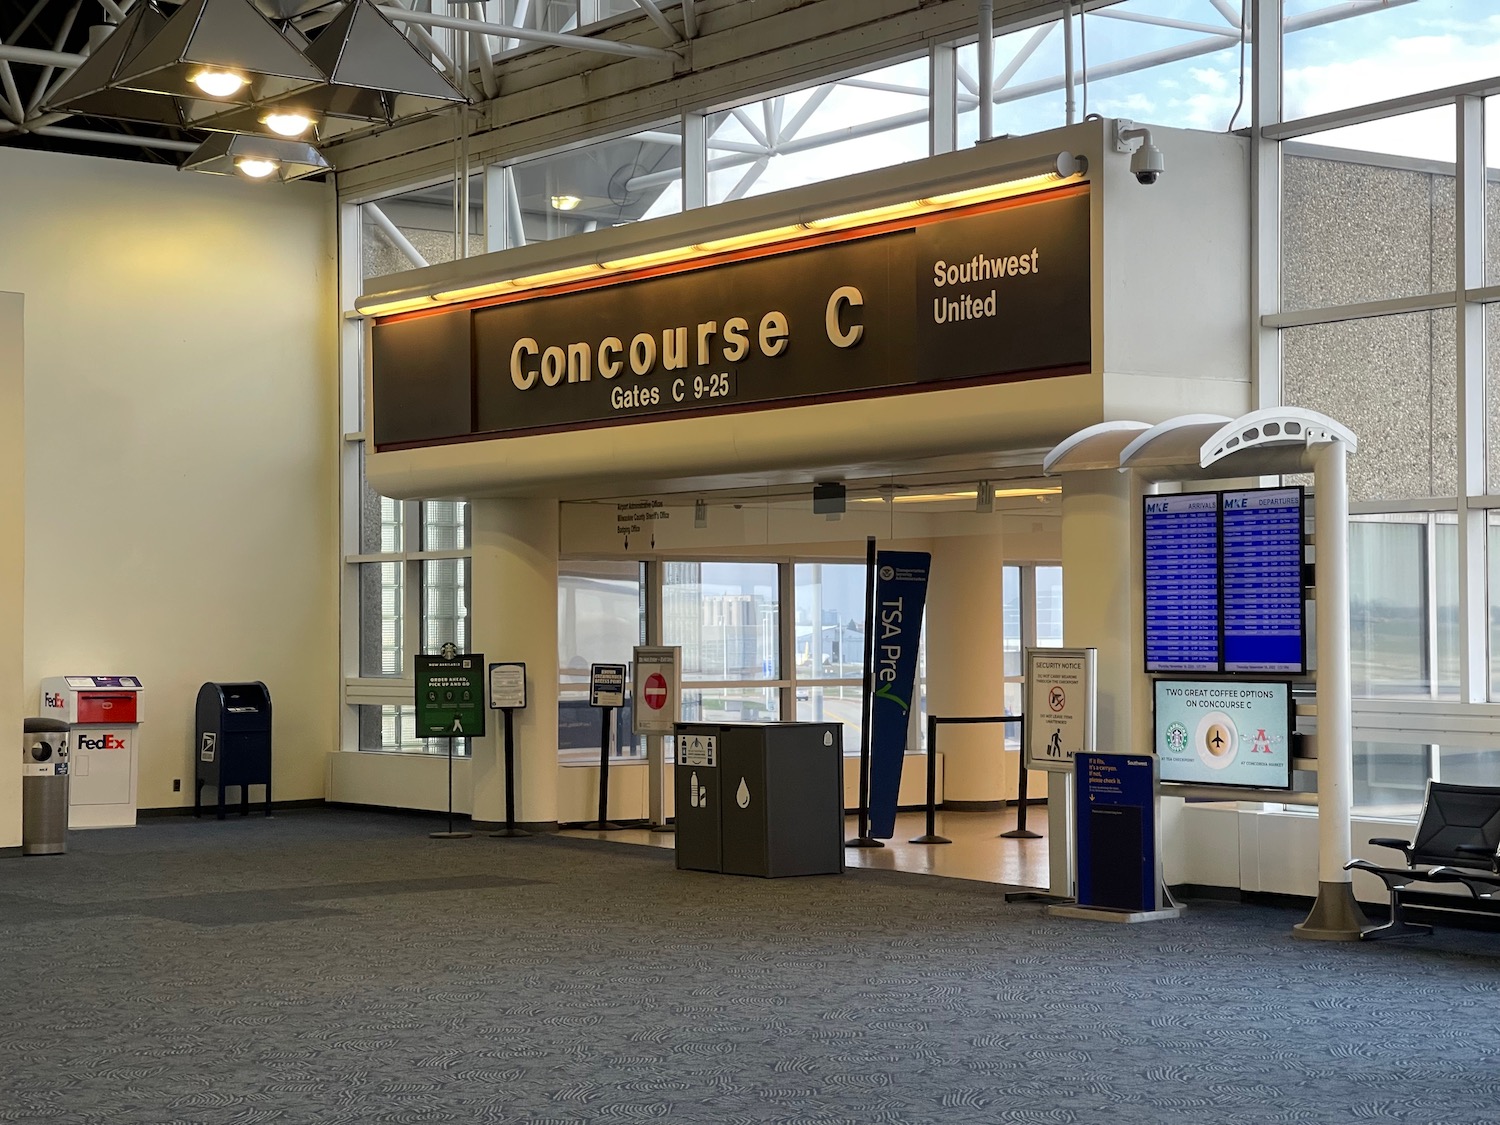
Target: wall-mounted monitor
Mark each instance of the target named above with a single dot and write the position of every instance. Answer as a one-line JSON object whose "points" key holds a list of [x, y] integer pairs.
{"points": [[1223, 582], [1261, 549], [1224, 732], [1182, 582]]}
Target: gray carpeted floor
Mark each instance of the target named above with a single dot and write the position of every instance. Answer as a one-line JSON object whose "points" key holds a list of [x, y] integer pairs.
{"points": [[340, 967]]}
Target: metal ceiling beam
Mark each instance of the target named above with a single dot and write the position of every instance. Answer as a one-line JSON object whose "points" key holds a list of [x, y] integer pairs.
{"points": [[552, 38], [94, 137], [690, 19], [9, 53], [661, 21]]}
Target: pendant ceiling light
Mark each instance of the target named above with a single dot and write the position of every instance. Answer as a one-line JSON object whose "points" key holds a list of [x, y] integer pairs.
{"points": [[371, 72], [224, 50], [256, 158], [89, 90]]}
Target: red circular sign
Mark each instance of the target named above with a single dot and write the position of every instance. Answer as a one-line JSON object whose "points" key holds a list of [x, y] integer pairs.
{"points": [[1057, 699], [655, 691]]}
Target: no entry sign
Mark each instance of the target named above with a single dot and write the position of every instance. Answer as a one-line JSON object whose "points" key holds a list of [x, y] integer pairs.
{"points": [[657, 689]]}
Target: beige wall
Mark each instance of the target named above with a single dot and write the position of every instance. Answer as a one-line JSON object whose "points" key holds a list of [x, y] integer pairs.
{"points": [[12, 560], [181, 433]]}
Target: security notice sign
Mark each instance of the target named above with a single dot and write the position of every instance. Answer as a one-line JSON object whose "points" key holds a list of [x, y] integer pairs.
{"points": [[656, 690], [450, 696], [1059, 706]]}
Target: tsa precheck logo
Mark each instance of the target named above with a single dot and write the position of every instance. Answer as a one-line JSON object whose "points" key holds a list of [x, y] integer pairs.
{"points": [[1176, 738]]}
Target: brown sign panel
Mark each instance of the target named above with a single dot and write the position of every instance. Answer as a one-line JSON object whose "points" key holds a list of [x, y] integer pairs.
{"points": [[994, 294]]}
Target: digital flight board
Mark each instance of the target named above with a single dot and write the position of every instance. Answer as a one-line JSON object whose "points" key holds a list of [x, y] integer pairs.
{"points": [[1182, 583], [1262, 580], [1223, 582]]}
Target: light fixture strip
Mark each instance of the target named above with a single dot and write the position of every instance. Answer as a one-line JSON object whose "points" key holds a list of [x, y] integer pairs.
{"points": [[1025, 180]]}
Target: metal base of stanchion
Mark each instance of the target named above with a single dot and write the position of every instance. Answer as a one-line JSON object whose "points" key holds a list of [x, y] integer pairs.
{"points": [[449, 835], [510, 833], [864, 842], [930, 840], [602, 826], [1020, 834], [1039, 896], [661, 828]]}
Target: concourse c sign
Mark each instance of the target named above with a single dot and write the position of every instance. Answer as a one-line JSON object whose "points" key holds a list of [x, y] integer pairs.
{"points": [[993, 291]]}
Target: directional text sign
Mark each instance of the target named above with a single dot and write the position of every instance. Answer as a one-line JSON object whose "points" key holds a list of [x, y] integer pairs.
{"points": [[450, 696]]}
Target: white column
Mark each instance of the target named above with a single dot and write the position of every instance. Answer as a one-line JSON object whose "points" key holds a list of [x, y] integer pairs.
{"points": [[1101, 585], [966, 666], [514, 589], [1335, 915], [13, 703]]}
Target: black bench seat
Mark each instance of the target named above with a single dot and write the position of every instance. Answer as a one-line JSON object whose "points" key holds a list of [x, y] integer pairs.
{"points": [[1456, 841]]}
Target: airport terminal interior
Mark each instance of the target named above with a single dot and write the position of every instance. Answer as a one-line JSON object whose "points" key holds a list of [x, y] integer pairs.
{"points": [[698, 560]]}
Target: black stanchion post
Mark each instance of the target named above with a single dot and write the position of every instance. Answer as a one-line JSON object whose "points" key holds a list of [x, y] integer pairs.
{"points": [[603, 824], [1020, 832], [864, 839], [931, 836], [510, 828], [450, 834]]}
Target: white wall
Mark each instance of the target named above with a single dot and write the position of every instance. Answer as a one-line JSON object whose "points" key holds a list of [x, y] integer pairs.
{"points": [[12, 559], [181, 440]]}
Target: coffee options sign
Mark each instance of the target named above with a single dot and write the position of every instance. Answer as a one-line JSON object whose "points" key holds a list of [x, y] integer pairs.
{"points": [[998, 292]]}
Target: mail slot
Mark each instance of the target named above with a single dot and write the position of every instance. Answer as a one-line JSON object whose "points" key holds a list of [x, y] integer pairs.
{"points": [[106, 707], [233, 742]]}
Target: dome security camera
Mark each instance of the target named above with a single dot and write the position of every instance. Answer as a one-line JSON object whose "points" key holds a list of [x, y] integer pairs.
{"points": [[1147, 164]]}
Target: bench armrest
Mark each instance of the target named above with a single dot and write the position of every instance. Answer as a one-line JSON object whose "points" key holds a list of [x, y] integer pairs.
{"points": [[1474, 849], [1387, 842]]}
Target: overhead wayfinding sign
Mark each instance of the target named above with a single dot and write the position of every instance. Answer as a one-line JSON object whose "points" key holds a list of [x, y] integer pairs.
{"points": [[997, 291], [656, 690], [1059, 706], [450, 696]]}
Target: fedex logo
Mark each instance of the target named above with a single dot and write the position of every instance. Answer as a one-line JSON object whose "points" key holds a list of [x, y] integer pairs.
{"points": [[52, 699], [102, 742]]}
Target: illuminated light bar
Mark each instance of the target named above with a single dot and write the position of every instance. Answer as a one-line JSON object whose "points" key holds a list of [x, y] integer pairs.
{"points": [[1021, 178]]}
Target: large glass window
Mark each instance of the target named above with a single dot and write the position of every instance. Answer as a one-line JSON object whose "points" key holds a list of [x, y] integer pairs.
{"points": [[830, 638], [1386, 51], [600, 620], [1388, 599], [596, 186], [870, 120]]}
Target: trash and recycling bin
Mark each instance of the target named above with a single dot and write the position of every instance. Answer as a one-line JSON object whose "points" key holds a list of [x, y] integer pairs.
{"points": [[760, 798], [44, 787], [234, 742]]}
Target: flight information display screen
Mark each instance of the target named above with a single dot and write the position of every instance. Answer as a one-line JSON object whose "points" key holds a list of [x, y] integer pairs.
{"points": [[1261, 548], [1182, 583]]}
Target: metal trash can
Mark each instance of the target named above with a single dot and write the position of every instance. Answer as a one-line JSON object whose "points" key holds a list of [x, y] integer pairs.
{"points": [[44, 787]]}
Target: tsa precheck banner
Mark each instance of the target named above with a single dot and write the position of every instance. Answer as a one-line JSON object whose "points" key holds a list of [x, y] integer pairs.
{"points": [[900, 597]]}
